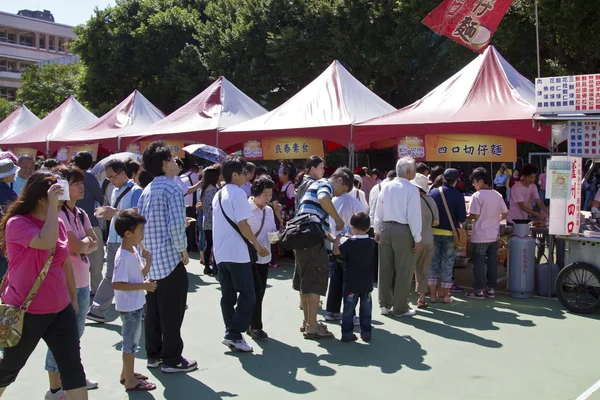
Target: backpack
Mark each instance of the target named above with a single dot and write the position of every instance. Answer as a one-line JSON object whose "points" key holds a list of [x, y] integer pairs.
{"points": [[302, 188]]}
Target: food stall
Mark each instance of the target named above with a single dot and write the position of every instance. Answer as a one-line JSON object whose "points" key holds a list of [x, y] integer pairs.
{"points": [[571, 104]]}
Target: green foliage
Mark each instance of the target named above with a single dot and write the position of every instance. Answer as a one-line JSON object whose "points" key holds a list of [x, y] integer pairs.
{"points": [[46, 87], [6, 108]]}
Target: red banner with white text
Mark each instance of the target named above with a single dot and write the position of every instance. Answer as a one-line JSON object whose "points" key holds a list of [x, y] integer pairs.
{"points": [[471, 23]]}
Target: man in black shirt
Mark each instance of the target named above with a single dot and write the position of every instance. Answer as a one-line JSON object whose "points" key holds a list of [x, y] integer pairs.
{"points": [[357, 253]]}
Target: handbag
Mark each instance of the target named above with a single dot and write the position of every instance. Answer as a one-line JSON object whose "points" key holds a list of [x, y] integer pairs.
{"points": [[302, 232], [459, 234], [11, 317], [251, 250]]}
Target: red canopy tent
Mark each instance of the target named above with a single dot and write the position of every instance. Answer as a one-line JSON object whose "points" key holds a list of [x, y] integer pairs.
{"points": [[487, 97], [68, 117], [133, 113], [326, 109], [18, 121], [219, 106]]}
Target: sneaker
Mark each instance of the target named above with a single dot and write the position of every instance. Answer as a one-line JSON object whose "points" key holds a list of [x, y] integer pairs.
{"points": [[385, 311], [490, 293], [473, 294], [96, 318], [60, 395], [91, 385], [183, 366], [356, 320], [457, 289], [238, 345], [257, 334], [153, 362], [409, 313], [331, 316]]}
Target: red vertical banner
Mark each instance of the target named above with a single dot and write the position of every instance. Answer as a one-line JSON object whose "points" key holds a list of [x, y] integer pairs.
{"points": [[471, 23]]}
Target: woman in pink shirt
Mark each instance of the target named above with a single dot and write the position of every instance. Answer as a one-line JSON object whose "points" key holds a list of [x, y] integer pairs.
{"points": [[82, 241], [29, 231]]}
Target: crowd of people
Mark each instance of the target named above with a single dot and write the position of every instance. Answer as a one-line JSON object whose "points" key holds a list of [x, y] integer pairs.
{"points": [[144, 218]]}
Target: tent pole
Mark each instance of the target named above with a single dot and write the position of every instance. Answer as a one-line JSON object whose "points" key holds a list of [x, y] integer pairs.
{"points": [[537, 36], [47, 148], [351, 149], [217, 140], [119, 144]]}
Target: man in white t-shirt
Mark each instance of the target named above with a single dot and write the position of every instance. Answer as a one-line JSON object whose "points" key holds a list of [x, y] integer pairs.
{"points": [[232, 235]]}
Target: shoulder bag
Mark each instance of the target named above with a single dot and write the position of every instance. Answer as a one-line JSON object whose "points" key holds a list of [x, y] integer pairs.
{"points": [[262, 223], [11, 317], [459, 234], [251, 250], [302, 232]]}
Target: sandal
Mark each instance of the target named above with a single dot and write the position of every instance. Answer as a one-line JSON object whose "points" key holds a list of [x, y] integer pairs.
{"points": [[137, 375], [422, 304], [143, 386], [317, 335], [303, 327], [448, 300]]}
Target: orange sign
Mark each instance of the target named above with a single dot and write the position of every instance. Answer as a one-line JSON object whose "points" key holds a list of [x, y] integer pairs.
{"points": [[291, 148], [91, 148], [412, 146], [176, 147], [19, 151], [470, 148]]}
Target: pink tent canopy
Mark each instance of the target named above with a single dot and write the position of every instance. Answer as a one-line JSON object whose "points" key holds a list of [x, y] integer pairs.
{"points": [[135, 113], [326, 109], [219, 106], [18, 121], [68, 117], [487, 97]]}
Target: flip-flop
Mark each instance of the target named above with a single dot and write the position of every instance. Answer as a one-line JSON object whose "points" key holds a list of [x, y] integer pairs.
{"points": [[143, 386], [422, 304], [303, 328], [137, 375]]}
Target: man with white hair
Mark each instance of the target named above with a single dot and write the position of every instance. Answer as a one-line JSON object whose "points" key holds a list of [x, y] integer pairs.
{"points": [[398, 231]]}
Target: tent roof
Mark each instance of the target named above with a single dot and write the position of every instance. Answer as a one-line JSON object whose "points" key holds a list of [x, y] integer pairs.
{"points": [[18, 121], [219, 106], [132, 114], [487, 97], [68, 117], [326, 108]]}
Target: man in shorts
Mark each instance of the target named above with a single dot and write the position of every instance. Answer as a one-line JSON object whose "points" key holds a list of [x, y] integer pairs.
{"points": [[312, 264]]}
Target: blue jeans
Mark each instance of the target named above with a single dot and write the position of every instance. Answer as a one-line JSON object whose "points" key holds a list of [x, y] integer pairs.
{"points": [[442, 263], [83, 301], [236, 278], [131, 331], [482, 254], [365, 314]]}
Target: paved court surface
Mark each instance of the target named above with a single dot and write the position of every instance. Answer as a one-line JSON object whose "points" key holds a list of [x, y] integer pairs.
{"points": [[492, 349]]}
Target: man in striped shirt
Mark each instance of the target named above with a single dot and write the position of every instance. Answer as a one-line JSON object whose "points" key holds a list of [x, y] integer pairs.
{"points": [[312, 264]]}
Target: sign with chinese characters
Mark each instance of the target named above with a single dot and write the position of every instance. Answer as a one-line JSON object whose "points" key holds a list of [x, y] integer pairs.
{"points": [[558, 180], [176, 147], [584, 138], [412, 146], [253, 150], [91, 148], [19, 151], [471, 23], [565, 213], [291, 148], [470, 148], [565, 94]]}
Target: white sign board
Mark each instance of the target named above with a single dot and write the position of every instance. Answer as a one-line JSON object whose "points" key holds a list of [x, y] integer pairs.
{"points": [[565, 212], [584, 138], [564, 94]]}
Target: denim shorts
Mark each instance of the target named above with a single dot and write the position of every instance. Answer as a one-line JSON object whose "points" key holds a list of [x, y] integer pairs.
{"points": [[131, 330]]}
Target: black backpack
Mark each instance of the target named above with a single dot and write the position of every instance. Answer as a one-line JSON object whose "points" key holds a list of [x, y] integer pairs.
{"points": [[303, 232]]}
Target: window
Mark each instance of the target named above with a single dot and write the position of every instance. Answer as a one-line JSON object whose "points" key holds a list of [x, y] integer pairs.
{"points": [[8, 94], [12, 66], [12, 38], [51, 43], [42, 41], [61, 45], [2, 36], [3, 65]]}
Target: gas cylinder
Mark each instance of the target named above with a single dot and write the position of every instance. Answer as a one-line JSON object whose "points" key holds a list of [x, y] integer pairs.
{"points": [[521, 261]]}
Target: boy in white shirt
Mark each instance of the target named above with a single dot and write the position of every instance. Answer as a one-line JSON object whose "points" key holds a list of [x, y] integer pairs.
{"points": [[130, 297]]}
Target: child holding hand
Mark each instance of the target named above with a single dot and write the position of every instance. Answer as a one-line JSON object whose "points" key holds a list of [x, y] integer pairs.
{"points": [[130, 297]]}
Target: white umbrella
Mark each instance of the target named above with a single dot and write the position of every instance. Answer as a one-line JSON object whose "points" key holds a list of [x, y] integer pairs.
{"points": [[100, 167]]}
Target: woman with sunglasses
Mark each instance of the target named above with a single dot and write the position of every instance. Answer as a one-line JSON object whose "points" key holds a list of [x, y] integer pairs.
{"points": [[31, 236], [82, 241]]}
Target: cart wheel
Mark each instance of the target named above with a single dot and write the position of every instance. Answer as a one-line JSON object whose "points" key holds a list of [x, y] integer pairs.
{"points": [[578, 288]]}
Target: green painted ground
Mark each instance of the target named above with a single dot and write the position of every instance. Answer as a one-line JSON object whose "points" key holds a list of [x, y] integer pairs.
{"points": [[502, 349]]}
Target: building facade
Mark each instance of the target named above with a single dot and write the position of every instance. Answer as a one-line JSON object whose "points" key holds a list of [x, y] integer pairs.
{"points": [[26, 40]]}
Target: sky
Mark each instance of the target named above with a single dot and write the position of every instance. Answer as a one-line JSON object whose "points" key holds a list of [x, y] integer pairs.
{"points": [[68, 12]]}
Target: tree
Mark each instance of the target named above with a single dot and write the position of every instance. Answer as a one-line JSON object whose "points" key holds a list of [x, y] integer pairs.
{"points": [[142, 44], [46, 87], [6, 108]]}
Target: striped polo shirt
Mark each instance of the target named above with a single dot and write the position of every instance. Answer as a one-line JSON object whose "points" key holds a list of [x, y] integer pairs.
{"points": [[310, 202]]}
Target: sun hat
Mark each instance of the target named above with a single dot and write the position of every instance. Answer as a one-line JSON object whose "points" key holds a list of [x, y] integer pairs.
{"points": [[421, 182], [358, 178], [7, 168]]}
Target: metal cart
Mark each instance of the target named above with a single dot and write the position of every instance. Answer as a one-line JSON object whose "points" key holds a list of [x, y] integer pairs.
{"points": [[578, 283]]}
